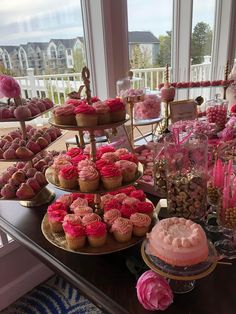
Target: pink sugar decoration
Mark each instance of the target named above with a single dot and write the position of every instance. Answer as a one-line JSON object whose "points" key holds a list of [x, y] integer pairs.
{"points": [[9, 87]]}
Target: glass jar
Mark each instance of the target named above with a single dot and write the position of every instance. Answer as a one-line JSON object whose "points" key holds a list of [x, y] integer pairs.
{"points": [[186, 175], [130, 86], [216, 111]]}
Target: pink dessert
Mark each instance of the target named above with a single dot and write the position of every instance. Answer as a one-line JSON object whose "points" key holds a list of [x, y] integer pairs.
{"points": [[72, 228], [131, 201], [101, 107], [139, 194], [121, 151], [127, 210], [64, 110], [105, 149], [83, 210], [85, 109], [68, 172], [112, 203], [129, 157], [178, 241], [110, 156], [56, 215], [149, 108], [115, 104], [73, 152], [120, 197], [84, 164], [66, 199], [167, 92], [145, 208], [105, 199], [91, 217], [103, 162], [72, 219], [78, 202], [57, 206], [111, 215]]}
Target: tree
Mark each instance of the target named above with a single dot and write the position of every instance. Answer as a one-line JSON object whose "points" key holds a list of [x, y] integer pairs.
{"points": [[79, 61], [201, 42], [164, 56], [140, 57]]}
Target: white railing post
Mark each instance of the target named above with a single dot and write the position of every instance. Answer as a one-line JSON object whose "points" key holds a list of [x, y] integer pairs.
{"points": [[31, 81]]}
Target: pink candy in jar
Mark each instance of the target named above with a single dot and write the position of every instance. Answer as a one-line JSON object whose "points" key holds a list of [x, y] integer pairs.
{"points": [[150, 108], [217, 112]]}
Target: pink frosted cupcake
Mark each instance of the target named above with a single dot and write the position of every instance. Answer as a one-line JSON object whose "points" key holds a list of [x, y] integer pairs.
{"points": [[83, 210], [57, 206], [103, 162], [79, 201], [85, 163], [86, 115], [55, 219], [68, 177], [121, 151], [64, 115], [145, 208], [110, 216], [112, 204], [129, 157], [111, 177], [131, 201], [73, 219], [117, 109], [128, 170], [103, 112], [141, 224], [127, 211], [139, 194], [105, 199], [96, 233], [88, 179], [74, 232], [120, 197], [66, 199], [122, 229], [59, 162], [110, 156], [89, 218]]}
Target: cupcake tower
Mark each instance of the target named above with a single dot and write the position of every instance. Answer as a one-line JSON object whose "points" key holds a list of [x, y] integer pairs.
{"points": [[127, 214]]}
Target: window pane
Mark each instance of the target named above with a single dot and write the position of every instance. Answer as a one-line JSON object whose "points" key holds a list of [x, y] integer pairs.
{"points": [[150, 27], [201, 43], [46, 36]]}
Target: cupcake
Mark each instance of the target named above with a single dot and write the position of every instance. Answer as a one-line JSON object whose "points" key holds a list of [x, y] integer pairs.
{"points": [[131, 201], [105, 199], [79, 201], [83, 210], [129, 157], [88, 179], [64, 115], [112, 204], [122, 229], [103, 162], [117, 109], [111, 177], [66, 199], [139, 194], [128, 170], [127, 210], [110, 216], [103, 112], [110, 156], [120, 197], [55, 219], [74, 151], [145, 208], [68, 177], [96, 233], [86, 115], [121, 151], [58, 205], [85, 163], [74, 232], [59, 162], [141, 223], [89, 218]]}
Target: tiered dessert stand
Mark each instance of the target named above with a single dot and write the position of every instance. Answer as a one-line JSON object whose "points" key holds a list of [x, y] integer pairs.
{"points": [[59, 239], [45, 195]]}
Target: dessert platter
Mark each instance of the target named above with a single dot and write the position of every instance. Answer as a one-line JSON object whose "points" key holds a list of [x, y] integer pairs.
{"points": [[178, 249]]}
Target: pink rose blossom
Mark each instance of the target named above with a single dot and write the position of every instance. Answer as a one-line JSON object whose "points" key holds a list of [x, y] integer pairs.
{"points": [[9, 87], [153, 291]]}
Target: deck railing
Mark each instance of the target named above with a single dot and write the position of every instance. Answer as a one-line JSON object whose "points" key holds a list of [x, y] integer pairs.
{"points": [[57, 86]]}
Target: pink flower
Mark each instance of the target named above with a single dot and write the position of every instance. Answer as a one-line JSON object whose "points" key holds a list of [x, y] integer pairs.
{"points": [[153, 291], [9, 87]]}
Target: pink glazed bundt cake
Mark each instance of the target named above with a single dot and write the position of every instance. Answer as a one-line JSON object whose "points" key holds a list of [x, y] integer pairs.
{"points": [[178, 241]]}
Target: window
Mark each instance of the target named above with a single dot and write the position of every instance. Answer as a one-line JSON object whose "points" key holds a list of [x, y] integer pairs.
{"points": [[149, 39]]}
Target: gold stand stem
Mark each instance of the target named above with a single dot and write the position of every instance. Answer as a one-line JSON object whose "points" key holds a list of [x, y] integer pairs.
{"points": [[97, 202], [81, 139], [92, 146]]}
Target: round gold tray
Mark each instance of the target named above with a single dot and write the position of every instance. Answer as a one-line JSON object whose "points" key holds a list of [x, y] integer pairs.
{"points": [[111, 245], [88, 128], [186, 273], [49, 177]]}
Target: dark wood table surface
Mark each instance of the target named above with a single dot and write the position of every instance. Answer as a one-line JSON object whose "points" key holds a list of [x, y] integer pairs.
{"points": [[105, 279]]}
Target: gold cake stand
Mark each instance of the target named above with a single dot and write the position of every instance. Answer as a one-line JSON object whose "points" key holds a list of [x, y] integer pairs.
{"points": [[181, 279]]}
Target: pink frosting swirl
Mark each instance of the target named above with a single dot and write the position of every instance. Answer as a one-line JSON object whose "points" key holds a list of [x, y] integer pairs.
{"points": [[66, 199], [127, 210], [130, 157], [120, 197], [139, 194], [85, 163], [140, 220], [88, 174], [111, 215], [121, 151], [72, 152], [131, 201], [126, 165], [110, 171], [105, 199], [96, 228], [61, 161], [115, 104], [83, 210], [68, 172], [153, 291], [84, 109], [144, 207], [101, 107], [112, 204], [106, 149], [78, 202], [110, 156], [103, 162], [75, 230], [56, 215], [122, 225], [75, 160], [57, 206], [73, 219], [88, 218], [66, 110]]}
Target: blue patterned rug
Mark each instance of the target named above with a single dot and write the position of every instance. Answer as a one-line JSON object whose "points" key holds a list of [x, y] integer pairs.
{"points": [[56, 296]]}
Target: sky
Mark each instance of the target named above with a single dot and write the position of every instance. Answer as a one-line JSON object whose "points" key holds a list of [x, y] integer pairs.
{"points": [[23, 21]]}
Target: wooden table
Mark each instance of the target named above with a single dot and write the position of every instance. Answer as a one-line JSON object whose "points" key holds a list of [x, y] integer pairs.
{"points": [[105, 279]]}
